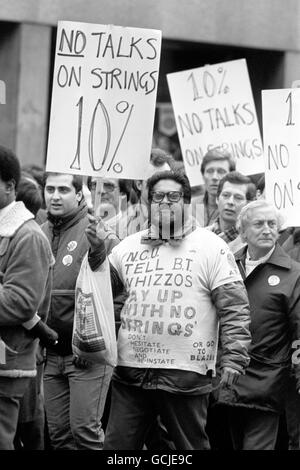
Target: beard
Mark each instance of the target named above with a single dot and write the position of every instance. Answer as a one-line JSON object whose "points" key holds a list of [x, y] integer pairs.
{"points": [[170, 223], [166, 225]]}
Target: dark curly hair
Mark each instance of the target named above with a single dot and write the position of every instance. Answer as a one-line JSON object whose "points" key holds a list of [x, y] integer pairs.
{"points": [[9, 166], [176, 176]]}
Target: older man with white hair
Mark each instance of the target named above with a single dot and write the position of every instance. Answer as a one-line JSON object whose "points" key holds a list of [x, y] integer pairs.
{"points": [[272, 280]]}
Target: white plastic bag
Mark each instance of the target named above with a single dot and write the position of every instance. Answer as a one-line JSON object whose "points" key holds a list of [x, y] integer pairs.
{"points": [[94, 337]]}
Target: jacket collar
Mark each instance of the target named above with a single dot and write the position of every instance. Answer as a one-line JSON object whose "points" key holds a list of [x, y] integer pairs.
{"points": [[62, 223], [278, 257], [14, 219]]}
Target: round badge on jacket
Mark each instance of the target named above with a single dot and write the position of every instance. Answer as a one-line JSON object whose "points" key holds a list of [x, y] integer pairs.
{"points": [[273, 280], [67, 260], [72, 245]]}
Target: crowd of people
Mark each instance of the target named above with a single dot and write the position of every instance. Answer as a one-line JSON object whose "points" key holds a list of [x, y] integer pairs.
{"points": [[206, 289]]}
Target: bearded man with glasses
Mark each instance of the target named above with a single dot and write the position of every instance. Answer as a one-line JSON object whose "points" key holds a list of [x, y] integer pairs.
{"points": [[182, 284]]}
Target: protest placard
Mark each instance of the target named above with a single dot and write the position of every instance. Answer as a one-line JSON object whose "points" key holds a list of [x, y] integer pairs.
{"points": [[281, 134], [103, 100], [213, 106]]}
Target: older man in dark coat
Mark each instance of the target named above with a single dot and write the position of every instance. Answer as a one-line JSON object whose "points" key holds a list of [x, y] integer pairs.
{"points": [[272, 280]]}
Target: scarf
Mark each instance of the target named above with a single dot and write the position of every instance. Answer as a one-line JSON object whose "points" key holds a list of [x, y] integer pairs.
{"points": [[153, 237]]}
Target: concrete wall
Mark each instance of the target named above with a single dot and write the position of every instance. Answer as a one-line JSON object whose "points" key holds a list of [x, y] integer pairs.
{"points": [[266, 24], [24, 67], [265, 32]]}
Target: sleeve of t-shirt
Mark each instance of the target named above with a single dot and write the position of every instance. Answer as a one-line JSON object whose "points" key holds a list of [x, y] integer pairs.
{"points": [[221, 265], [114, 259]]}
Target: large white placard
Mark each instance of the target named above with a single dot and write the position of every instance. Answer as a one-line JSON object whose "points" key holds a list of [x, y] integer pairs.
{"points": [[281, 133], [213, 106], [103, 100]]}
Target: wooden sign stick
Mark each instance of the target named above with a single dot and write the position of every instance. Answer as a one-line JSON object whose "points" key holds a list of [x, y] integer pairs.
{"points": [[97, 199]]}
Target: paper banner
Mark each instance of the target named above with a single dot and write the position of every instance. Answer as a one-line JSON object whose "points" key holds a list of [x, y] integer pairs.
{"points": [[213, 106], [103, 100]]}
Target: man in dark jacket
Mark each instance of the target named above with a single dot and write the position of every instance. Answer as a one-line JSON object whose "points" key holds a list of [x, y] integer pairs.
{"points": [[292, 407], [75, 392], [25, 262], [272, 280], [182, 283]]}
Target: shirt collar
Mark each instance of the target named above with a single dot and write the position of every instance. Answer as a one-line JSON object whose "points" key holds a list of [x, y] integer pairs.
{"points": [[278, 257], [227, 235], [263, 259]]}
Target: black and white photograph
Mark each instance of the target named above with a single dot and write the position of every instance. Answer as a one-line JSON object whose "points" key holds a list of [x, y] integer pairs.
{"points": [[149, 229]]}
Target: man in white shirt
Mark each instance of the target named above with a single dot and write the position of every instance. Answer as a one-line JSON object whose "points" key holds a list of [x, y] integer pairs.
{"points": [[182, 284]]}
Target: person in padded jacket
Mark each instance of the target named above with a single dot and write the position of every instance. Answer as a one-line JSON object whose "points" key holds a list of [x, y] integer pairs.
{"points": [[75, 391], [25, 282], [292, 406], [272, 280], [182, 284]]}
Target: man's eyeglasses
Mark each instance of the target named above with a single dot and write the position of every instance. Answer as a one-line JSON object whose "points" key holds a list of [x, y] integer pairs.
{"points": [[106, 187], [172, 196]]}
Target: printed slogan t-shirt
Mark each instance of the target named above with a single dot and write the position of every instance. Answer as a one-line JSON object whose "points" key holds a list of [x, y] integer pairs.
{"points": [[169, 320]]}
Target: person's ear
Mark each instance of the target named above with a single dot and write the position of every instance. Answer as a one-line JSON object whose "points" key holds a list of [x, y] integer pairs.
{"points": [[10, 186], [243, 237], [139, 184], [79, 196]]}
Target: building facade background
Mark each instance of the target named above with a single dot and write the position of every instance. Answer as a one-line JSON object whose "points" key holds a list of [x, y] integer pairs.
{"points": [[195, 32]]}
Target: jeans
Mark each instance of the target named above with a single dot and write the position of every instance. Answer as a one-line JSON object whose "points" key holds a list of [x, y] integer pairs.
{"points": [[31, 423], [74, 402], [218, 427], [134, 410], [253, 429], [11, 392], [158, 438]]}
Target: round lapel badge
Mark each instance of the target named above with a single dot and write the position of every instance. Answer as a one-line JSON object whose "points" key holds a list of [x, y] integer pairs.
{"points": [[67, 260], [273, 280], [72, 245]]}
